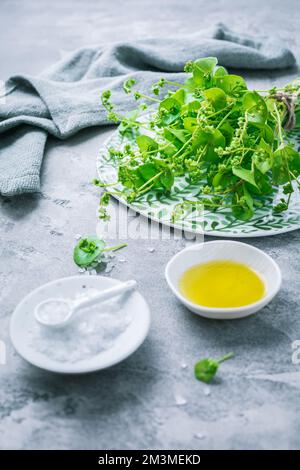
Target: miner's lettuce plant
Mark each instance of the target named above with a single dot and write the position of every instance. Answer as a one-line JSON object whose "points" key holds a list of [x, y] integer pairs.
{"points": [[206, 369], [90, 251], [212, 129]]}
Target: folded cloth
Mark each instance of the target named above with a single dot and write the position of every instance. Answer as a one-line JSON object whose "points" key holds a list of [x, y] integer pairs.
{"points": [[66, 98]]}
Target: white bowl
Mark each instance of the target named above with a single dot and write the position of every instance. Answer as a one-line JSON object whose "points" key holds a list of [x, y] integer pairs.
{"points": [[256, 259]]}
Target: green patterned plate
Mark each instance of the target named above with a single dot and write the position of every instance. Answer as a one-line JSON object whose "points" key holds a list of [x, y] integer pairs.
{"points": [[159, 207]]}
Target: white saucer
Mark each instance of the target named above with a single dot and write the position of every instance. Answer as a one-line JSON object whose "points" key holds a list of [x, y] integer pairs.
{"points": [[23, 321]]}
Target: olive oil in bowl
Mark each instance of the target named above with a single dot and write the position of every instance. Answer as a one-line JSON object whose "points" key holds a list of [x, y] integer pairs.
{"points": [[222, 284]]}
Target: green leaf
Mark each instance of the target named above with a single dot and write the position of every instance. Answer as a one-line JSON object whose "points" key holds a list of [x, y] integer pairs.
{"points": [[293, 160], [263, 164], [211, 139], [179, 95], [263, 181], [203, 70], [266, 132], [220, 72], [190, 123], [246, 175], [241, 210], [180, 134], [191, 108], [248, 198], [227, 130], [146, 143], [169, 110], [279, 169], [190, 85], [232, 85], [297, 115], [147, 171], [284, 159], [129, 176], [167, 179], [255, 106], [217, 179], [206, 369], [168, 150], [205, 65], [216, 97], [88, 250]]}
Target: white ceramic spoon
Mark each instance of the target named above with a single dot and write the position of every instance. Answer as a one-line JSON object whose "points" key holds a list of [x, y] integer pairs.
{"points": [[69, 307]]}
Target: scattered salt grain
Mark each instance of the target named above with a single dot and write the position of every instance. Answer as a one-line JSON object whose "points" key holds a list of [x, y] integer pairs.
{"points": [[109, 268], [206, 391], [180, 400], [151, 249], [183, 365], [81, 270], [77, 236], [199, 435], [122, 260]]}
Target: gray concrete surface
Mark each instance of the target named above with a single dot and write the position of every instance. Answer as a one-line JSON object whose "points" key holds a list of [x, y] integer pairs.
{"points": [[254, 403]]}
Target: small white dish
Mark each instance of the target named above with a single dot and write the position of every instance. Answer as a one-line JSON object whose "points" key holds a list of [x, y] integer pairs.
{"points": [[256, 259], [23, 321]]}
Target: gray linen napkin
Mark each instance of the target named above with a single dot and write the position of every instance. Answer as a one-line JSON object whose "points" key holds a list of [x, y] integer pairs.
{"points": [[66, 98]]}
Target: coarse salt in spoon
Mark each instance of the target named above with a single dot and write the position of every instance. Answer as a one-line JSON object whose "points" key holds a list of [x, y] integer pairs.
{"points": [[58, 312]]}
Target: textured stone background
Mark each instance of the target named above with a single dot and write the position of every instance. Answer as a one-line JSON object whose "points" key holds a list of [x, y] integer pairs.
{"points": [[255, 401]]}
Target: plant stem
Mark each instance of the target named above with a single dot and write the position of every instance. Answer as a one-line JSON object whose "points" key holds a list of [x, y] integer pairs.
{"points": [[226, 357], [283, 151], [146, 97], [202, 153], [116, 247], [295, 177], [169, 82], [224, 118], [184, 145], [279, 124], [150, 180]]}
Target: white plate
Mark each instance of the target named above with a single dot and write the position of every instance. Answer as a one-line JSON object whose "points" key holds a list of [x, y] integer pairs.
{"points": [[23, 320]]}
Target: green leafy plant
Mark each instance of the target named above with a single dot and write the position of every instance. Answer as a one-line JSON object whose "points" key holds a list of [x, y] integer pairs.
{"points": [[206, 369], [89, 251], [231, 141]]}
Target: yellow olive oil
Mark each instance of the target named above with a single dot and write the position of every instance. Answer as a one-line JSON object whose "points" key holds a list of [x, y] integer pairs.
{"points": [[222, 284]]}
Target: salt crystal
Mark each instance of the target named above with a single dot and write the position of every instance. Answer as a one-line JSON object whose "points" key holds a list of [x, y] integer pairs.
{"points": [[183, 365], [151, 249], [180, 400], [81, 270], [77, 236], [109, 267], [122, 260], [92, 331], [199, 435], [206, 391]]}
